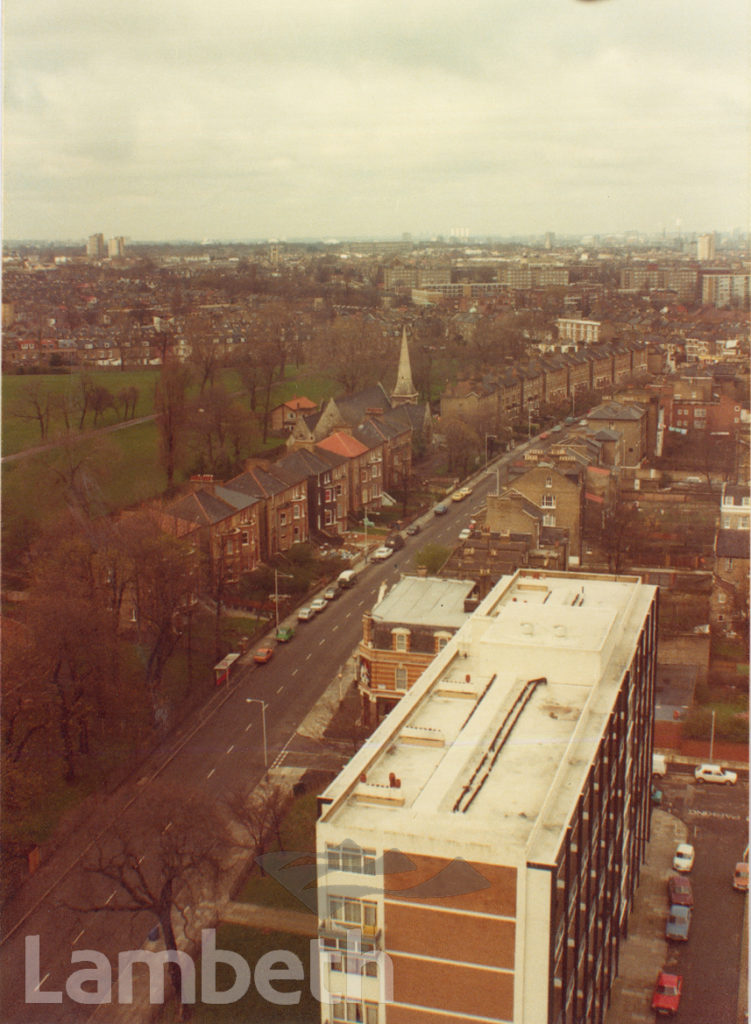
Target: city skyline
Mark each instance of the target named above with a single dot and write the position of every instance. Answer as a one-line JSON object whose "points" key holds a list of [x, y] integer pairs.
{"points": [[335, 122]]}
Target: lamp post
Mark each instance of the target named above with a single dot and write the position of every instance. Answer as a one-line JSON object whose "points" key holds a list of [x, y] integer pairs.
{"points": [[711, 739], [487, 438], [286, 576], [264, 705]]}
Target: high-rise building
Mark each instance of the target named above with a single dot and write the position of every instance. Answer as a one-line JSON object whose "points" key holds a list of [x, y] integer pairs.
{"points": [[488, 837], [705, 248], [116, 247], [95, 247]]}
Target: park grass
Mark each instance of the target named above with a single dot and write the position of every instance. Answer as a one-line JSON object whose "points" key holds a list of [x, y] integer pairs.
{"points": [[298, 836], [252, 944]]}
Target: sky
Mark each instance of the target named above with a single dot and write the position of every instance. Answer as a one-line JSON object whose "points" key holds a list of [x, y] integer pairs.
{"points": [[242, 119]]}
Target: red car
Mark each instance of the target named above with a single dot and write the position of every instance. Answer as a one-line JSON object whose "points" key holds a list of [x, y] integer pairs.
{"points": [[680, 891], [263, 654], [667, 994]]}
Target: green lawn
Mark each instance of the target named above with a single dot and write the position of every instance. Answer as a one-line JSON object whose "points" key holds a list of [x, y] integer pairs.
{"points": [[252, 944]]}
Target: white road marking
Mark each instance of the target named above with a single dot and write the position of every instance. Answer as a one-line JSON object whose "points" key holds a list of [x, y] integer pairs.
{"points": [[248, 726], [280, 688], [167, 827], [211, 773], [78, 936], [295, 671], [230, 748], [111, 896], [308, 656], [42, 981]]}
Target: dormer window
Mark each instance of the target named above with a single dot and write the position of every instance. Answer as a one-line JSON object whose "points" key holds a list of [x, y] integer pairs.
{"points": [[401, 639]]}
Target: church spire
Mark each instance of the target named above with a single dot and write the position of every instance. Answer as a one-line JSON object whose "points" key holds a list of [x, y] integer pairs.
{"points": [[404, 392]]}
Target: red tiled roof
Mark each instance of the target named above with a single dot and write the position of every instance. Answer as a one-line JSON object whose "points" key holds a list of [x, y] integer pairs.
{"points": [[342, 444]]}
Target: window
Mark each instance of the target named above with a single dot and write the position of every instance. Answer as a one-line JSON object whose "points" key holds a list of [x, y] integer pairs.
{"points": [[338, 490], [728, 564], [548, 519], [329, 518], [327, 494], [282, 518], [350, 1011], [441, 639], [296, 512], [548, 481], [400, 639], [353, 958], [548, 501], [246, 538], [401, 677], [353, 913], [351, 857]]}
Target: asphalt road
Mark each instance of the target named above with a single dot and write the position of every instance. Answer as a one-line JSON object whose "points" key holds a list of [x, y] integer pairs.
{"points": [[717, 817], [223, 747]]}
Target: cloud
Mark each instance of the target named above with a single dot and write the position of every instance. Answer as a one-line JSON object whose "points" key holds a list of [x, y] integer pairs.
{"points": [[362, 119]]}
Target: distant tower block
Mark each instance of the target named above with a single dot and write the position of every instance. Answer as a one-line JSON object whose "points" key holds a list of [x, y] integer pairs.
{"points": [[95, 247], [116, 247], [404, 392], [274, 254], [705, 247]]}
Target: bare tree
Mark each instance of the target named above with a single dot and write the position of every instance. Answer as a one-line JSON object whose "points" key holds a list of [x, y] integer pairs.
{"points": [[170, 404], [257, 816], [35, 403], [176, 857]]}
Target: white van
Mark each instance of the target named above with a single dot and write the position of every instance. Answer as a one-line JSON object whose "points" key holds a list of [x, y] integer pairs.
{"points": [[659, 764], [346, 579]]}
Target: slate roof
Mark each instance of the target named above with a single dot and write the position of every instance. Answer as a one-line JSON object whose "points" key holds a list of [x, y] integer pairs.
{"points": [[732, 544]]}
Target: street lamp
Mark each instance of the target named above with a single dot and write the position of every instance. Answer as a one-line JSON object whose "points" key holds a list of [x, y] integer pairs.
{"points": [[487, 438], [264, 705], [286, 576]]}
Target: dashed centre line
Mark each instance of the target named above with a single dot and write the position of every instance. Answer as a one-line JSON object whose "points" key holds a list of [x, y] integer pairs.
{"points": [[211, 773], [230, 748]]}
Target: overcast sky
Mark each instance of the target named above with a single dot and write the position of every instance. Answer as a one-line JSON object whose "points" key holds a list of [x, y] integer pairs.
{"points": [[236, 119]]}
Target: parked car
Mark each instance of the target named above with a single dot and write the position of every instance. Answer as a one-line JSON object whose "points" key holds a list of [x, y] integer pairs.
{"points": [[412, 529], [465, 534], [284, 634], [332, 592], [347, 579], [395, 542], [262, 655], [678, 924], [440, 510], [683, 859], [305, 614], [459, 495], [680, 891], [382, 553], [715, 773], [740, 876], [318, 604], [667, 994]]}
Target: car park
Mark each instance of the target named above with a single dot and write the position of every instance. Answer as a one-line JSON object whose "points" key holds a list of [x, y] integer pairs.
{"points": [[318, 604], [740, 876], [262, 655], [412, 529], [332, 592], [284, 634], [305, 614], [683, 860], [678, 924], [666, 997], [680, 891], [715, 773], [440, 510]]}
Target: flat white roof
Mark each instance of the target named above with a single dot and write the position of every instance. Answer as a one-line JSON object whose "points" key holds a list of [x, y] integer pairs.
{"points": [[490, 747], [425, 601]]}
